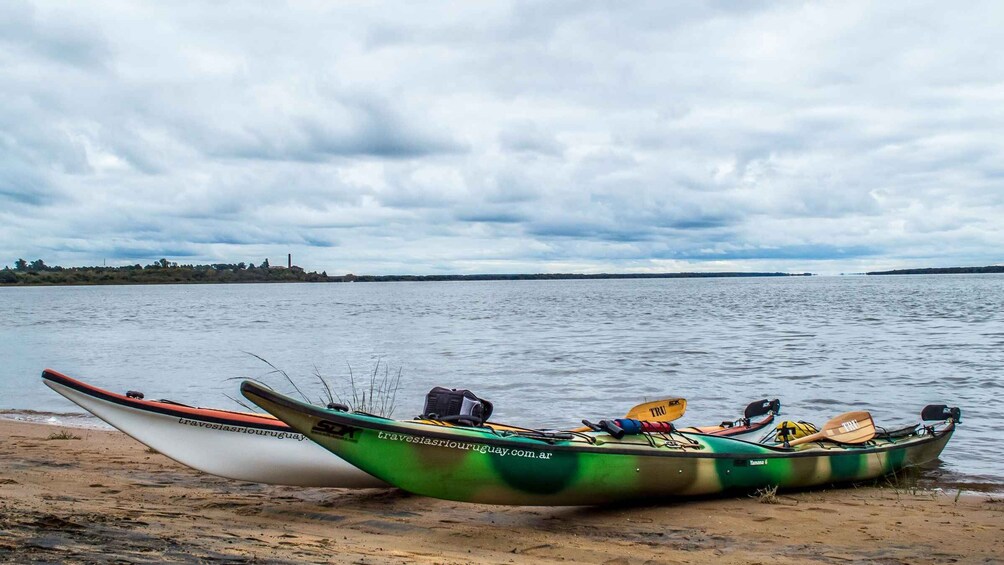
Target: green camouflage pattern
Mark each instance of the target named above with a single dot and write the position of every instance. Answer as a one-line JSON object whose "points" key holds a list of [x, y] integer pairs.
{"points": [[476, 465]]}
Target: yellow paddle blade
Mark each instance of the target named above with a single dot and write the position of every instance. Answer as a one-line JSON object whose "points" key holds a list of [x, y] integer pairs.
{"points": [[665, 410], [852, 427]]}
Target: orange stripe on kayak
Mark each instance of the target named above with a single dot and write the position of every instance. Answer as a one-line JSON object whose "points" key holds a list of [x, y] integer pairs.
{"points": [[246, 417]]}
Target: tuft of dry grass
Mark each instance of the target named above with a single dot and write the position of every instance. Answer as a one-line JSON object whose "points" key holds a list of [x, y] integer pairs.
{"points": [[767, 495], [378, 396], [62, 434], [375, 395]]}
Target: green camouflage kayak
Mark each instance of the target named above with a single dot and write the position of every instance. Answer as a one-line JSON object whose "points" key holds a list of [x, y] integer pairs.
{"points": [[560, 468]]}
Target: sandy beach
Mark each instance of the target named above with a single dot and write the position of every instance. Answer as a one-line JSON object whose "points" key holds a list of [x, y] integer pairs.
{"points": [[103, 497]]}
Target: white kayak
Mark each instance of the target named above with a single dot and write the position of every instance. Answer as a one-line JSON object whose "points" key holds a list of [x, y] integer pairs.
{"points": [[236, 445]]}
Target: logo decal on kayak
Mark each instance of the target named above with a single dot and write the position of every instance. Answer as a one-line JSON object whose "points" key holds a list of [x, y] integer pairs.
{"points": [[333, 430], [750, 462], [466, 446], [242, 429]]}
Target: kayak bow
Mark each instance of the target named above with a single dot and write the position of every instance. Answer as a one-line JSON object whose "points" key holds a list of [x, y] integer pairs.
{"points": [[248, 447]]}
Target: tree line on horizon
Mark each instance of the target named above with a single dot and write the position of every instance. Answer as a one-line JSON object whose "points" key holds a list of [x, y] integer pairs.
{"points": [[159, 272], [942, 271]]}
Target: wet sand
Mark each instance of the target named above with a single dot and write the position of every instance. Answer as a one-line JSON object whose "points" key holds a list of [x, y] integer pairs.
{"points": [[105, 498]]}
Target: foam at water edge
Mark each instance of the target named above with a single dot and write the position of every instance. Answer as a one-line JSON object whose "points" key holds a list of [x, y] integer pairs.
{"points": [[65, 419]]}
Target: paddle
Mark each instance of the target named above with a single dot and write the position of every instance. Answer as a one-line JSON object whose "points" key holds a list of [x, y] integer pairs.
{"points": [[852, 427], [665, 410]]}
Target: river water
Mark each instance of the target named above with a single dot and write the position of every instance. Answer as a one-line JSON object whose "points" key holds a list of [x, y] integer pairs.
{"points": [[547, 353]]}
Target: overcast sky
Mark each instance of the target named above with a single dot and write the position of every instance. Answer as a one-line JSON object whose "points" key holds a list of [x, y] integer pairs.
{"points": [[502, 137]]}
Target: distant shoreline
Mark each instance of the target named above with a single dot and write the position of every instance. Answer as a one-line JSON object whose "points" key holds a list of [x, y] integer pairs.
{"points": [[942, 271], [564, 276], [163, 272], [209, 274]]}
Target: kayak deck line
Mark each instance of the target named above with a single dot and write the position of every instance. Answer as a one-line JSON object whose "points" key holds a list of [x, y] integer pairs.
{"points": [[169, 407], [502, 438]]}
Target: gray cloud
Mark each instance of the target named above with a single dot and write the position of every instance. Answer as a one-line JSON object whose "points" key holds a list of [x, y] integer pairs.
{"points": [[28, 32]]}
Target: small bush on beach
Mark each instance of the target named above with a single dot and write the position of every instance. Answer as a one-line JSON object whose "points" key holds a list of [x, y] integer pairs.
{"points": [[62, 434]]}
